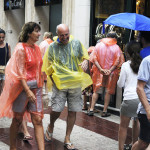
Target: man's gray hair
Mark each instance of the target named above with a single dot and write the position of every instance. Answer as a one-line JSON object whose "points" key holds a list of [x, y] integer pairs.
{"points": [[59, 26]]}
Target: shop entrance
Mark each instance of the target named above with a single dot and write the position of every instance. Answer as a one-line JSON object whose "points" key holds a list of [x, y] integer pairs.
{"points": [[55, 16]]}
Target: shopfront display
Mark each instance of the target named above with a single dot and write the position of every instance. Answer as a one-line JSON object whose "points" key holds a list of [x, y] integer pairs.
{"points": [[13, 4], [101, 10]]}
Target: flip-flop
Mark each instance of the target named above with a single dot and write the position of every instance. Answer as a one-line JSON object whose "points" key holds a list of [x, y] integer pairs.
{"points": [[27, 137], [67, 145], [50, 135]]}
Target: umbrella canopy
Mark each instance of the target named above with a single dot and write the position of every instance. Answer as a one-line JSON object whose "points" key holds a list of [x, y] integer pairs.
{"points": [[131, 21]]}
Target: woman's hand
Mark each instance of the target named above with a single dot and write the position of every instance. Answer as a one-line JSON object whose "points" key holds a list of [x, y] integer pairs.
{"points": [[31, 96]]}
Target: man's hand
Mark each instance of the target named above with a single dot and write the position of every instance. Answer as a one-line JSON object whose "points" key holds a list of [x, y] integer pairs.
{"points": [[84, 65]]}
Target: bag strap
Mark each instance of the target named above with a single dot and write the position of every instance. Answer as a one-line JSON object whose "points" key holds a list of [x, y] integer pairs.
{"points": [[5, 53]]}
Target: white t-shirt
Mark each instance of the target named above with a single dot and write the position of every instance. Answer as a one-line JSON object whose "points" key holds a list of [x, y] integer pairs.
{"points": [[128, 80]]}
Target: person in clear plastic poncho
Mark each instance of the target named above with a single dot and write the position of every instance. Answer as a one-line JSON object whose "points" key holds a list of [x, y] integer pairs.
{"points": [[64, 62]]}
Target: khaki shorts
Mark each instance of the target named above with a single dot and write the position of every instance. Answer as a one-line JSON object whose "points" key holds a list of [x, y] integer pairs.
{"points": [[71, 96]]}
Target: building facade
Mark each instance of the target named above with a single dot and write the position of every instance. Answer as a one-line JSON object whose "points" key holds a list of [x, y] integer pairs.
{"points": [[84, 18], [75, 13]]}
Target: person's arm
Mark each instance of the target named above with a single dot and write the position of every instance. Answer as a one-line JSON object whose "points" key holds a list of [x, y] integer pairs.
{"points": [[103, 71], [9, 54], [29, 93], [115, 64], [122, 77], [20, 65], [143, 98]]}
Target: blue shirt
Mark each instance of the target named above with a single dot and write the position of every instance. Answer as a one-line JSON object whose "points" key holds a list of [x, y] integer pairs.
{"points": [[145, 52], [144, 75]]}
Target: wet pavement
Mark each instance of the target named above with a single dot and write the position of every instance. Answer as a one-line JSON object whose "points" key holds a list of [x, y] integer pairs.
{"points": [[89, 133]]}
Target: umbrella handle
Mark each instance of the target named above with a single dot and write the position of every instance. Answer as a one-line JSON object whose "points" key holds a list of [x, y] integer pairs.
{"points": [[130, 35]]}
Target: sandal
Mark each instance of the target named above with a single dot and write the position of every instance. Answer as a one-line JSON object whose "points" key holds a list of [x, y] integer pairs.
{"points": [[96, 111], [90, 113], [27, 137], [105, 114], [127, 146], [49, 135], [69, 146]]}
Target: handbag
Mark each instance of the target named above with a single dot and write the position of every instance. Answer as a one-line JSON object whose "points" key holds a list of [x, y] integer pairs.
{"points": [[2, 68]]}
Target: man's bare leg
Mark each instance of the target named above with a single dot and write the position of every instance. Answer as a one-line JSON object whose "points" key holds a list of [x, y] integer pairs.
{"points": [[53, 117], [94, 100], [70, 124], [106, 101]]}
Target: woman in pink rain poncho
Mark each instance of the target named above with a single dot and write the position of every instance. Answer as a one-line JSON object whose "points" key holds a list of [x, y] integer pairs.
{"points": [[23, 85]]}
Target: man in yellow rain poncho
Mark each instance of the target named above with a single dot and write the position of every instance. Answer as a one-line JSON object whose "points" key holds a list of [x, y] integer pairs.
{"points": [[65, 62]]}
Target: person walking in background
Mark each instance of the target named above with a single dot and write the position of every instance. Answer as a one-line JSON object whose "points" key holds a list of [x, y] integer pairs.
{"points": [[143, 91], [105, 72], [63, 62], [47, 40], [5, 54], [23, 85], [87, 93], [128, 80]]}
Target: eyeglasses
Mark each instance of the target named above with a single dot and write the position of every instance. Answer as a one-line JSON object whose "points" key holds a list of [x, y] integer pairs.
{"points": [[2, 37], [64, 35]]}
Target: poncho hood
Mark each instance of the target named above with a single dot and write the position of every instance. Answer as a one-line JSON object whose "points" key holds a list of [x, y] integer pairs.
{"points": [[109, 41]]}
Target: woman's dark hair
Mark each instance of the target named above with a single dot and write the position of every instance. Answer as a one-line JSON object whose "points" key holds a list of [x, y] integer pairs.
{"points": [[2, 31], [133, 49], [28, 28]]}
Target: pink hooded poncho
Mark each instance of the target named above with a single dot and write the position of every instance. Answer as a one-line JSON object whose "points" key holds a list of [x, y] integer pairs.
{"points": [[107, 54]]}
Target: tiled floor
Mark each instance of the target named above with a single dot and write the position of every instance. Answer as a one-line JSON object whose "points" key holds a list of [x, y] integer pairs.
{"points": [[94, 125]]}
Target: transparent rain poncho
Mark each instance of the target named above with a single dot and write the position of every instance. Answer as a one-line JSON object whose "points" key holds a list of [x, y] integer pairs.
{"points": [[61, 62], [25, 63]]}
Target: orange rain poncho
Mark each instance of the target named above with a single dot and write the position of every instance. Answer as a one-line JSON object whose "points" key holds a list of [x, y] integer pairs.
{"points": [[44, 45], [62, 63], [25, 63], [107, 54]]}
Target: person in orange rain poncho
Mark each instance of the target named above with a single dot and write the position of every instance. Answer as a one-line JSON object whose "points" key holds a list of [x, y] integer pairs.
{"points": [[48, 36], [63, 62], [105, 72], [22, 93]]}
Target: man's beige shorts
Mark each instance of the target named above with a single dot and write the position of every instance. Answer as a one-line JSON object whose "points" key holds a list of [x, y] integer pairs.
{"points": [[72, 96]]}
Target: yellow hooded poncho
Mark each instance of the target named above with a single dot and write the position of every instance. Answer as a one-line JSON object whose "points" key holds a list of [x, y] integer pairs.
{"points": [[61, 62]]}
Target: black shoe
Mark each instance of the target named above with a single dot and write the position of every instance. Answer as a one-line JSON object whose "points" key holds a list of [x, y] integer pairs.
{"points": [[90, 113]]}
